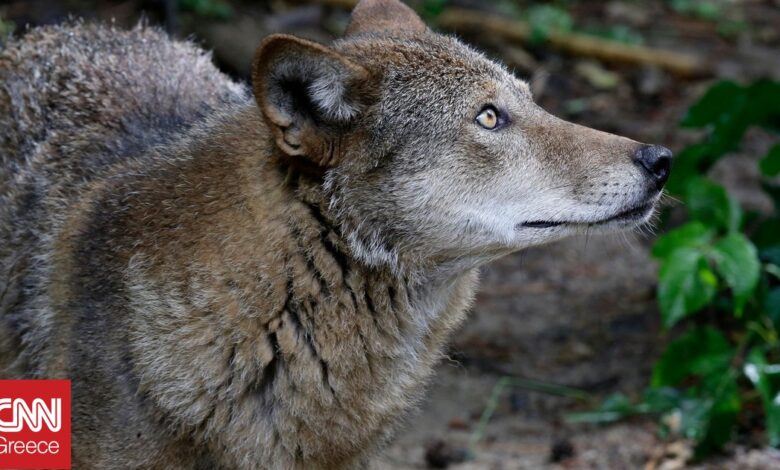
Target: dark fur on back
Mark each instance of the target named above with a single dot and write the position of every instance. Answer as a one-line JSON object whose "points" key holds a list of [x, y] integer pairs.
{"points": [[119, 91], [78, 101]]}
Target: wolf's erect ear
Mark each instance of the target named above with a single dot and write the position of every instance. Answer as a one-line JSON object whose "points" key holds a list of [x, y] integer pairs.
{"points": [[384, 16], [308, 94]]}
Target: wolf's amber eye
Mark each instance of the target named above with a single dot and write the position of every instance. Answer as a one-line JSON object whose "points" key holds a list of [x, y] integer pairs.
{"points": [[488, 118]]}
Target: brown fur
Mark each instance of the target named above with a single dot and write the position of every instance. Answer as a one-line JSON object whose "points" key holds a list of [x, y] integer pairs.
{"points": [[234, 283]]}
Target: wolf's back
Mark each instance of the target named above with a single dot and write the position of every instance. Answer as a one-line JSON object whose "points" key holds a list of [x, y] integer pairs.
{"points": [[78, 96], [77, 102]]}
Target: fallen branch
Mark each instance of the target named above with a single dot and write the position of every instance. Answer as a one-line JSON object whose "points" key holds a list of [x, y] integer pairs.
{"points": [[462, 20], [465, 20]]}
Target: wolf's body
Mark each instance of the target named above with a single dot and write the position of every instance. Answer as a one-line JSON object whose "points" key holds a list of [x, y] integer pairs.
{"points": [[224, 290]]}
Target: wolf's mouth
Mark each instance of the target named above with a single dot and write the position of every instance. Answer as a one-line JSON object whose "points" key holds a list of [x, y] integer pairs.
{"points": [[635, 213], [541, 224]]}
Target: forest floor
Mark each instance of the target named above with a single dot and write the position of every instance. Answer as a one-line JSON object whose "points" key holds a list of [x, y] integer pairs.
{"points": [[579, 313], [573, 313]]}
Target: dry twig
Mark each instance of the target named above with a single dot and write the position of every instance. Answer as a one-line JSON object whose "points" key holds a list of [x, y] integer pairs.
{"points": [[465, 20], [574, 43]]}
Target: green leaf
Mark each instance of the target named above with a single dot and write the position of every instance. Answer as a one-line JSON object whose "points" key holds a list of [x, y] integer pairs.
{"points": [[545, 19], [707, 9], [217, 9], [707, 415], [594, 417], [700, 352], [773, 191], [614, 408], [432, 8], [722, 416], [770, 164], [690, 163], [694, 417], [737, 262], [764, 103], [759, 372], [765, 236], [6, 28], [772, 269], [661, 399], [728, 110], [770, 254], [617, 33], [685, 285], [717, 104], [710, 204], [691, 235], [772, 305]]}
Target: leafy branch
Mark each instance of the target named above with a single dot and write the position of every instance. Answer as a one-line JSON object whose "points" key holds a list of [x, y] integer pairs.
{"points": [[718, 284]]}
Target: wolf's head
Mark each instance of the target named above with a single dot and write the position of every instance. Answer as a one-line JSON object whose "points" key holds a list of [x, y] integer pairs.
{"points": [[430, 151]]}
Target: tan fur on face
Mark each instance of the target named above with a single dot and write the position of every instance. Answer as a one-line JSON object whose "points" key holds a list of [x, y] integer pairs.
{"points": [[264, 282]]}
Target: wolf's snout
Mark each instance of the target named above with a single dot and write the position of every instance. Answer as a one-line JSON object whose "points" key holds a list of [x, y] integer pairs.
{"points": [[657, 160]]}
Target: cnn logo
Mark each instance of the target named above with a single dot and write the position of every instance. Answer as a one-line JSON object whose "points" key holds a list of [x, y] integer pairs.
{"points": [[34, 424], [35, 416]]}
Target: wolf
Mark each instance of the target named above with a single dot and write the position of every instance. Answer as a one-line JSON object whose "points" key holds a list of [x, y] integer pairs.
{"points": [[264, 276]]}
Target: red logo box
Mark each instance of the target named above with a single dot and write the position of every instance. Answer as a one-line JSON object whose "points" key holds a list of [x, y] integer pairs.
{"points": [[34, 424]]}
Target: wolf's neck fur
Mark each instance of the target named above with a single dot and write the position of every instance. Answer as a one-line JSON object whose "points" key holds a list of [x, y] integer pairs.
{"points": [[303, 339]]}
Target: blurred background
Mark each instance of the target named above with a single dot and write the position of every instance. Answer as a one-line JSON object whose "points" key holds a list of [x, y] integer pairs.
{"points": [[652, 350]]}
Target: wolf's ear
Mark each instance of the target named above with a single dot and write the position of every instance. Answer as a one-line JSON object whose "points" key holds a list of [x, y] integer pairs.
{"points": [[308, 93], [384, 16]]}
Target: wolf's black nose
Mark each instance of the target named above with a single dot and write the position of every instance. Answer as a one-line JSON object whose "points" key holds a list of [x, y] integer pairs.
{"points": [[657, 160]]}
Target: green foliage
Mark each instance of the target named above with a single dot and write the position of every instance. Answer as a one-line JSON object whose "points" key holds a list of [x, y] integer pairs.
{"points": [[218, 9], [545, 19], [737, 261], [722, 12], [726, 262], [430, 9], [772, 305], [770, 165], [686, 284], [707, 412], [617, 406], [6, 28], [766, 379], [706, 9], [694, 235], [618, 33], [709, 203], [701, 352]]}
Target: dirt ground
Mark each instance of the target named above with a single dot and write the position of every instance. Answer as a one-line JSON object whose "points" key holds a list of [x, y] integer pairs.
{"points": [[579, 313], [576, 313]]}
